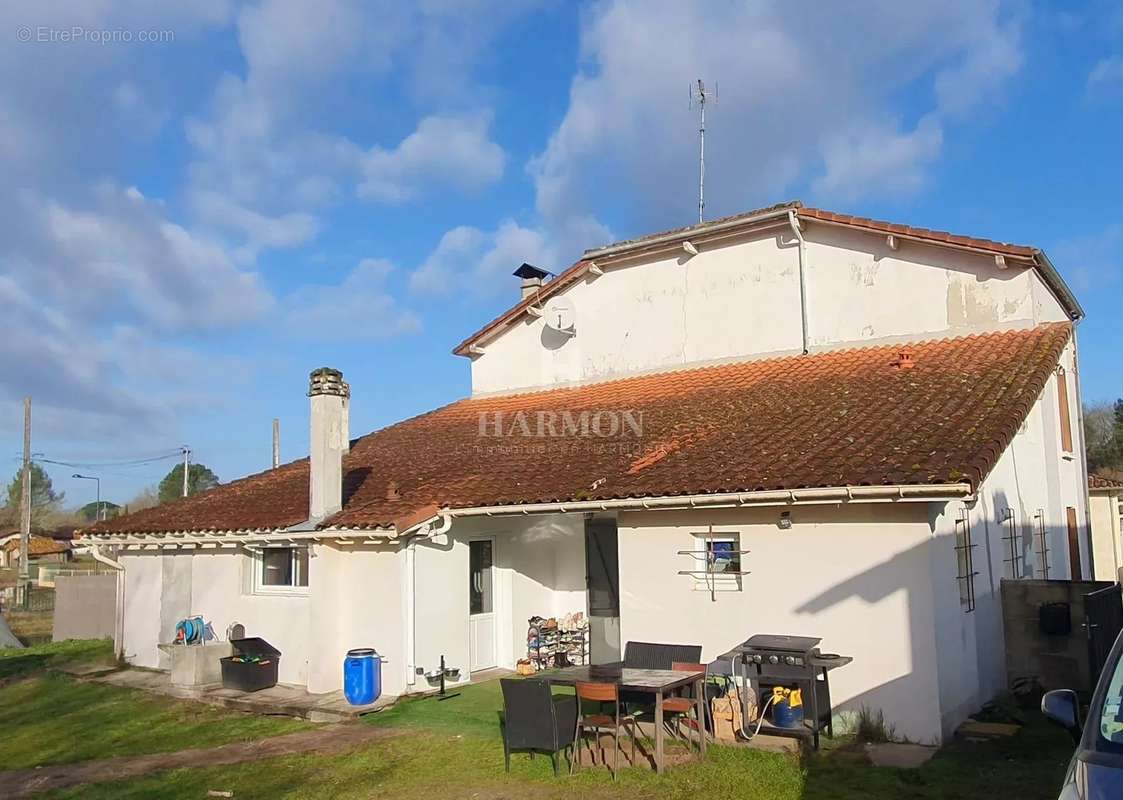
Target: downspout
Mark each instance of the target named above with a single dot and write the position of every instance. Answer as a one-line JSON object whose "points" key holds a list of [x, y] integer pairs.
{"points": [[427, 531], [119, 606], [802, 249]]}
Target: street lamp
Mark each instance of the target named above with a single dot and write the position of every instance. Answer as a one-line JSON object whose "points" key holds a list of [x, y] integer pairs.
{"points": [[98, 509]]}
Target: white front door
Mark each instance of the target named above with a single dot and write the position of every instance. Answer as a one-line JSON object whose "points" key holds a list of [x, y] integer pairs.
{"points": [[481, 604]]}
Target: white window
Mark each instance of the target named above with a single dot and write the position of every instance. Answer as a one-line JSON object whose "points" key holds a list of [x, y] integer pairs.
{"points": [[281, 570], [718, 562]]}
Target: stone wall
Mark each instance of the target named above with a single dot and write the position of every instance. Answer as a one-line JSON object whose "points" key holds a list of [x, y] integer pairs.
{"points": [[1057, 662]]}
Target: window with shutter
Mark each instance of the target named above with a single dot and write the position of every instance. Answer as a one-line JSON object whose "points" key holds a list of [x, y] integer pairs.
{"points": [[1062, 404]]}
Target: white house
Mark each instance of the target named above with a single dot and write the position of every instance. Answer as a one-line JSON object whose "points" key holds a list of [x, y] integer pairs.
{"points": [[1104, 524], [886, 419]]}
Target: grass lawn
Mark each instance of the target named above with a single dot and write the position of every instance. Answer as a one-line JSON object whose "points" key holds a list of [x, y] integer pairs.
{"points": [[451, 749], [49, 718]]}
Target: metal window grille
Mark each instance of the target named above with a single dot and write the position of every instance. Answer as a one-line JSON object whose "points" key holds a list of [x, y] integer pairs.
{"points": [[1042, 543], [965, 562], [1013, 545], [720, 556]]}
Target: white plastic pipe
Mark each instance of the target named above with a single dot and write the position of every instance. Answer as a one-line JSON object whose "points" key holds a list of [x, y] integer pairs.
{"points": [[119, 605], [424, 533], [794, 223]]}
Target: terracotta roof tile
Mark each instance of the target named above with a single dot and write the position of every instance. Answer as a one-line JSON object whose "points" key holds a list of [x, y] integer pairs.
{"points": [[831, 419], [1103, 482], [39, 546], [881, 226]]}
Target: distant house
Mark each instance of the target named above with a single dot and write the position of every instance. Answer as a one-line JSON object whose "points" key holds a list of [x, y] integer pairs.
{"points": [[40, 550], [784, 422], [1107, 539]]}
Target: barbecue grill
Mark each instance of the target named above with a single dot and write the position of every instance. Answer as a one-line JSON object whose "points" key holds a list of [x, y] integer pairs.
{"points": [[768, 660]]}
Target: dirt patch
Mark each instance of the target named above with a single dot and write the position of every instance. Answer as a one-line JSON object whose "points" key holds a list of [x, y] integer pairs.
{"points": [[331, 739]]}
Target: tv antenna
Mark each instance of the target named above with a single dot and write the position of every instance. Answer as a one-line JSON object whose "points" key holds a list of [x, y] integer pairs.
{"points": [[701, 95]]}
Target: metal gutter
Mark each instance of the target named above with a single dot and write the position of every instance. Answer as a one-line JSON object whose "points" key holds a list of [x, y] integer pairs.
{"points": [[922, 493], [1057, 284]]}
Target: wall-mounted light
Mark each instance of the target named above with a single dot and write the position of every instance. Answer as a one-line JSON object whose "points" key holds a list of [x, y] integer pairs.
{"points": [[785, 521]]}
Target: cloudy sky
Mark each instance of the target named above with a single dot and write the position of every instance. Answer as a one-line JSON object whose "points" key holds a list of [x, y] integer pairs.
{"points": [[202, 201]]}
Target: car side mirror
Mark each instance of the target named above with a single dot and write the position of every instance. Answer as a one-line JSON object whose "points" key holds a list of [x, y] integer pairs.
{"points": [[1062, 707]]}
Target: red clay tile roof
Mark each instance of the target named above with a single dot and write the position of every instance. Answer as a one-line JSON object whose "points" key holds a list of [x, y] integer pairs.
{"points": [[39, 546], [1103, 482], [880, 226], [577, 271], [831, 419]]}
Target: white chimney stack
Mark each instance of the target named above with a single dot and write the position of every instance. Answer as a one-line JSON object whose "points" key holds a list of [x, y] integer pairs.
{"points": [[532, 279], [330, 396]]}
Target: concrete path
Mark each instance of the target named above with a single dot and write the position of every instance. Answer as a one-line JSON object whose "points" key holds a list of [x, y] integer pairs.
{"points": [[329, 739]]}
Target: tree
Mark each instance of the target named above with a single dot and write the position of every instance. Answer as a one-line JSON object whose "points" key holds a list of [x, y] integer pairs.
{"points": [[1103, 433], [89, 511], [145, 498], [199, 479], [44, 498]]}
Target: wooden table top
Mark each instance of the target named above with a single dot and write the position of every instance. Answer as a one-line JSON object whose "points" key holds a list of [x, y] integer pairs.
{"points": [[638, 680]]}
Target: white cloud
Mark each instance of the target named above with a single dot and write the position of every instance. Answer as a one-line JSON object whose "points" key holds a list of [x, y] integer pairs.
{"points": [[802, 97], [1093, 261], [876, 154], [121, 252], [359, 308], [1106, 76], [468, 259], [450, 149]]}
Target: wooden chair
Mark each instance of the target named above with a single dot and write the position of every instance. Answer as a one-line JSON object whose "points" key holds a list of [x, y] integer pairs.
{"points": [[602, 693], [686, 706]]}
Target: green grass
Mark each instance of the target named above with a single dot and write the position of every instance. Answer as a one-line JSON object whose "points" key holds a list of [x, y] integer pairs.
{"points": [[451, 749], [16, 662], [49, 718]]}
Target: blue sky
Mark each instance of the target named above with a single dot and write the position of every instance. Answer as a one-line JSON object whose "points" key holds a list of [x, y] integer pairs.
{"points": [[181, 214]]}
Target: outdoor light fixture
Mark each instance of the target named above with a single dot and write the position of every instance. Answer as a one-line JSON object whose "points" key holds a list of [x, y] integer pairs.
{"points": [[785, 522]]}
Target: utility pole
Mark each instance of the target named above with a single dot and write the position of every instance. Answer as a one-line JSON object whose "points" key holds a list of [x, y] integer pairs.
{"points": [[25, 497], [276, 443], [186, 467]]}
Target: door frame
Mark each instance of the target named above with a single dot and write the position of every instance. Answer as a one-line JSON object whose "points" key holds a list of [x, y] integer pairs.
{"points": [[495, 602]]}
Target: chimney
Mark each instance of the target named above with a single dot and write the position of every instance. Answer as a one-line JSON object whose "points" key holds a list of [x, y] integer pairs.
{"points": [[330, 396], [532, 279], [904, 360]]}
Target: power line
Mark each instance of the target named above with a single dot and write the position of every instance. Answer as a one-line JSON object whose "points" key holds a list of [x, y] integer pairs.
{"points": [[109, 464]]}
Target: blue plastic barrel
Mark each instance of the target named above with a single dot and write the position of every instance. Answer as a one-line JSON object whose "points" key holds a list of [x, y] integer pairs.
{"points": [[362, 676]]}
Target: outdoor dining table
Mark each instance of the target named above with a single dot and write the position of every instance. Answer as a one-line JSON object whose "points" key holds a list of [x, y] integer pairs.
{"points": [[656, 682]]}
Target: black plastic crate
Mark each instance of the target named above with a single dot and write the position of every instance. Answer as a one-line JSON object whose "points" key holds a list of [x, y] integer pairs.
{"points": [[252, 667]]}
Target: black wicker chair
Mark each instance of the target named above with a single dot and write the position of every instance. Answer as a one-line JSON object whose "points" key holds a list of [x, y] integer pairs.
{"points": [[653, 655], [534, 721]]}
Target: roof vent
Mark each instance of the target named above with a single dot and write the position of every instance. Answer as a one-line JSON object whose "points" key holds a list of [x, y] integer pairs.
{"points": [[904, 360], [532, 279]]}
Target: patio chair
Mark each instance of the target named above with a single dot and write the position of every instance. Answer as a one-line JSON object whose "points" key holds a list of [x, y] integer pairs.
{"points": [[535, 721], [685, 706], [602, 693], [654, 655]]}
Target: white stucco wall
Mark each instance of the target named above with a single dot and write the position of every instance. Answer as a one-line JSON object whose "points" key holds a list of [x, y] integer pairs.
{"points": [[1106, 544], [540, 570], [857, 576], [740, 299], [1038, 482]]}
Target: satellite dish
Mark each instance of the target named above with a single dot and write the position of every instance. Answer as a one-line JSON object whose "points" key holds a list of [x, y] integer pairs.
{"points": [[560, 315]]}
